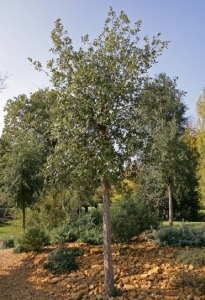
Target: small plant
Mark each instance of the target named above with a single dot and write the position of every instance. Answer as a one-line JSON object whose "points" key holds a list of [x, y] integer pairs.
{"points": [[194, 257], [178, 237], [33, 240], [8, 243], [61, 235], [19, 248], [186, 279], [93, 235], [62, 260]]}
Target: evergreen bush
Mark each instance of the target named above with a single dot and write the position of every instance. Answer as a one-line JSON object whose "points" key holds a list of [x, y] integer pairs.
{"points": [[62, 260], [129, 218], [93, 235], [19, 248], [8, 243], [33, 240], [178, 237]]}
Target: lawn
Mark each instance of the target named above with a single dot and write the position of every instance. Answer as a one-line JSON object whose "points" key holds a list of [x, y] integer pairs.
{"points": [[9, 229], [178, 223]]}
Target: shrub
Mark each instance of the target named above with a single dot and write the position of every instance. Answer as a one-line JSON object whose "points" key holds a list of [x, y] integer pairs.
{"points": [[62, 260], [96, 217], [178, 237], [19, 248], [61, 235], [8, 243], [93, 235], [195, 257], [34, 239], [129, 218]]}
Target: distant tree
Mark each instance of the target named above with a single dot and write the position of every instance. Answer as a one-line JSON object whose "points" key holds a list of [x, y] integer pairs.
{"points": [[21, 180], [98, 117], [200, 107], [3, 77], [169, 185]]}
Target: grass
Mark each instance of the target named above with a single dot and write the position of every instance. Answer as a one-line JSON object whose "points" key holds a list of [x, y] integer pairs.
{"points": [[9, 229], [178, 223]]}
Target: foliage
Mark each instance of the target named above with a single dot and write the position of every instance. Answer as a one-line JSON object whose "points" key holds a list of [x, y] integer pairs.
{"points": [[93, 235], [129, 218], [183, 164], [62, 260], [96, 216], [200, 107], [34, 239], [21, 163], [3, 77], [61, 235], [8, 243], [178, 237], [19, 248], [195, 257]]}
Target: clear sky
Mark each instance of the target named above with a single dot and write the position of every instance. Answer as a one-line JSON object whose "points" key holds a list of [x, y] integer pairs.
{"points": [[26, 25]]}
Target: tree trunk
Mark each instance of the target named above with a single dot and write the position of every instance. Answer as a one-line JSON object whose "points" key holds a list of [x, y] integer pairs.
{"points": [[108, 265], [23, 225], [170, 206]]}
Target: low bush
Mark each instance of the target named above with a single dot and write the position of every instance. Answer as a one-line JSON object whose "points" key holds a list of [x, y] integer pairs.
{"points": [[19, 248], [92, 235], [195, 257], [8, 243], [61, 235], [62, 260], [178, 237], [129, 218], [33, 240]]}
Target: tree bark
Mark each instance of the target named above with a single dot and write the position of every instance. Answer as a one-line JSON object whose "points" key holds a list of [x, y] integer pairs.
{"points": [[170, 206], [108, 264], [23, 226]]}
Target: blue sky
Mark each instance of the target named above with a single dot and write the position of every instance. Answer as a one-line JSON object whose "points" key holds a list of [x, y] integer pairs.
{"points": [[26, 25]]}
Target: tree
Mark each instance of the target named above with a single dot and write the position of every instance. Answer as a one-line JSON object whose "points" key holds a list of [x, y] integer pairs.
{"points": [[3, 77], [20, 179], [98, 117], [200, 107]]}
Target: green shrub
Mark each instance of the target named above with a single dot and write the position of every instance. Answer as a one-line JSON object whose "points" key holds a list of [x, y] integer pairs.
{"points": [[61, 235], [19, 248], [8, 243], [129, 218], [93, 235], [96, 217], [62, 260], [178, 237], [195, 257], [34, 239]]}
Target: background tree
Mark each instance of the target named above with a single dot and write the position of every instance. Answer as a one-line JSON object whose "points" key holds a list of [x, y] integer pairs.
{"points": [[3, 77], [98, 117], [21, 180], [200, 107]]}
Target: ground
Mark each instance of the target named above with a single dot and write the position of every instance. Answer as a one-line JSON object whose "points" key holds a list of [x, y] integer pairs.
{"points": [[142, 272]]}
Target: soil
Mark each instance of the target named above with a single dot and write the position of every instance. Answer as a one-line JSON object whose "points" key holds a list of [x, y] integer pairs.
{"points": [[142, 272]]}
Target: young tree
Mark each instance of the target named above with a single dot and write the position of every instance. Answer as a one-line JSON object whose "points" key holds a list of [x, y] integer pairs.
{"points": [[98, 118]]}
